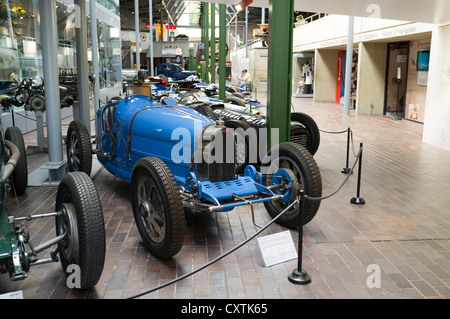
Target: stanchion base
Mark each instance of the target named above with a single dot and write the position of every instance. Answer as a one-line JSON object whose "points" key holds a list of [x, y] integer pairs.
{"points": [[357, 201], [299, 277], [345, 170]]}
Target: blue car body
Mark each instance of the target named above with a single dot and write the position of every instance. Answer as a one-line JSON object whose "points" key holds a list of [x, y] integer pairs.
{"points": [[176, 160], [145, 128], [174, 71], [152, 125]]}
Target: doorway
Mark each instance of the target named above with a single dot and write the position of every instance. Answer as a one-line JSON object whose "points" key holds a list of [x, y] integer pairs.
{"points": [[396, 79]]}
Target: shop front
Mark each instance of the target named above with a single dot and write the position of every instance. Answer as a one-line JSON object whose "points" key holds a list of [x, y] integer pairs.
{"points": [[303, 74]]}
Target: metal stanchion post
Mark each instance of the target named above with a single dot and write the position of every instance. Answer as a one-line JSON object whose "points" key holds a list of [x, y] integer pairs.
{"points": [[299, 276], [359, 200], [346, 170]]}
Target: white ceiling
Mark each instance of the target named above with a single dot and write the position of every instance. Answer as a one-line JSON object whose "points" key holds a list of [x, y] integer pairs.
{"points": [[428, 11]]}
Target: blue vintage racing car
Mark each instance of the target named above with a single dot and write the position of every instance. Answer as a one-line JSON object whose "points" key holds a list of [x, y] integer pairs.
{"points": [[179, 160]]}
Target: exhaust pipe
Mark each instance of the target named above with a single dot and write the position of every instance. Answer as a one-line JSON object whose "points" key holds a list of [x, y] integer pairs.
{"points": [[12, 162]]}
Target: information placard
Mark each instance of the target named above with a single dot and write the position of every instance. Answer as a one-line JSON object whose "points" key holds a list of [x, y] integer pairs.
{"points": [[277, 248]]}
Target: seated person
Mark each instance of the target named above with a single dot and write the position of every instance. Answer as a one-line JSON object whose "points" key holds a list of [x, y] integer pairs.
{"points": [[245, 79]]}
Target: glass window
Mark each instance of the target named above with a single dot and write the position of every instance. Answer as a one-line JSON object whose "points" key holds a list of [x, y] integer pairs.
{"points": [[21, 49]]}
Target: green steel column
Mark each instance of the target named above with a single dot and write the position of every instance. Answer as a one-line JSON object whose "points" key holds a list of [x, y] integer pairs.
{"points": [[222, 49], [213, 43], [202, 24], [202, 28], [206, 52], [281, 19]]}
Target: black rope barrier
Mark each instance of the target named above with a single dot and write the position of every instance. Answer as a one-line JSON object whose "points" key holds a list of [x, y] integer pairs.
{"points": [[333, 132], [215, 259], [299, 276], [349, 132], [359, 200], [346, 170]]}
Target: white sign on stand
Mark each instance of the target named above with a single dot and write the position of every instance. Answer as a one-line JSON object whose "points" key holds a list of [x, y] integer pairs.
{"points": [[277, 248], [12, 295]]}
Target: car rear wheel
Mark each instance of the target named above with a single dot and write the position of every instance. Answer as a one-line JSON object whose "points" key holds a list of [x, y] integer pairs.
{"points": [[297, 159], [79, 148], [311, 127], [157, 207], [20, 174], [205, 110], [82, 220]]}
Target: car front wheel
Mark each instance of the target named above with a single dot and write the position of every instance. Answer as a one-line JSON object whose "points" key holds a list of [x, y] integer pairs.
{"points": [[157, 207], [297, 159], [81, 220]]}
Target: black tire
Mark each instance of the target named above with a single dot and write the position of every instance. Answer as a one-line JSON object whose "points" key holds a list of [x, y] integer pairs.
{"points": [[206, 110], [311, 127], [20, 174], [235, 100], [79, 148], [300, 161], [82, 219], [249, 140], [157, 202]]}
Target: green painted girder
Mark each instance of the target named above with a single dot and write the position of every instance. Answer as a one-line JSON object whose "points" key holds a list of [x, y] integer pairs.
{"points": [[222, 50], [279, 94], [213, 43]]}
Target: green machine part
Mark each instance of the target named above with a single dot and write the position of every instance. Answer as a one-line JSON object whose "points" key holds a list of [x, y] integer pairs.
{"points": [[12, 256]]}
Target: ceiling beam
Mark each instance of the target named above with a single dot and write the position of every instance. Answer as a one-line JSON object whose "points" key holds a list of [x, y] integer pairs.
{"points": [[430, 11]]}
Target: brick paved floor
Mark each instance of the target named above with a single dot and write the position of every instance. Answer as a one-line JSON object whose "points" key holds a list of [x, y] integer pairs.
{"points": [[404, 229]]}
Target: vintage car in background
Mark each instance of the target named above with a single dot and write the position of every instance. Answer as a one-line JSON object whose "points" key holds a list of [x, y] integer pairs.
{"points": [[304, 130], [178, 160], [80, 233], [174, 71]]}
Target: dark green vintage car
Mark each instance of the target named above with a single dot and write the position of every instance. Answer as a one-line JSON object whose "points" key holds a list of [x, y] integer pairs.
{"points": [[79, 241]]}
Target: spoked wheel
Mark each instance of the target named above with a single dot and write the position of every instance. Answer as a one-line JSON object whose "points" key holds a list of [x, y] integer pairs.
{"points": [[20, 174], [82, 221], [303, 166], [79, 148], [157, 207]]}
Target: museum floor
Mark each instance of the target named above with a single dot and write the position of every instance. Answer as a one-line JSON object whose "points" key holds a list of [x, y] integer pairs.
{"points": [[403, 229]]}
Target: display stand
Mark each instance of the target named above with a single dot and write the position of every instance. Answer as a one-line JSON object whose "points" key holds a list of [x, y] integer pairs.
{"points": [[398, 81], [41, 144]]}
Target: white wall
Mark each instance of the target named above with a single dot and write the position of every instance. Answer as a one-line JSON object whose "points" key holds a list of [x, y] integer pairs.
{"points": [[436, 129], [331, 31]]}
